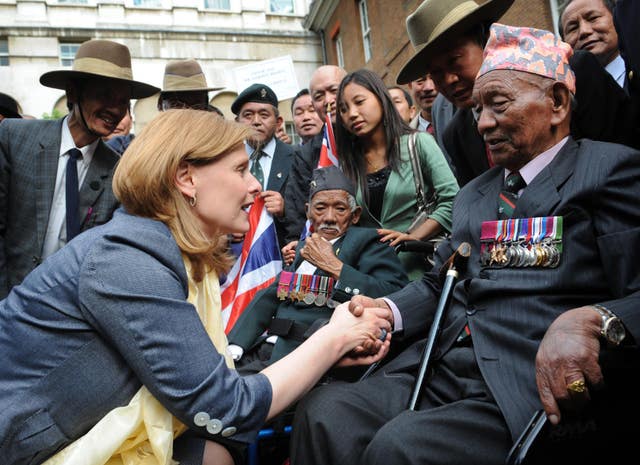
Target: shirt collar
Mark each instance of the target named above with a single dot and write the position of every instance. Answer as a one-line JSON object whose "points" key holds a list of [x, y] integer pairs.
{"points": [[535, 166], [268, 149], [617, 69], [67, 143]]}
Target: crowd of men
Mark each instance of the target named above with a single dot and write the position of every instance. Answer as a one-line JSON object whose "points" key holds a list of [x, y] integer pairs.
{"points": [[542, 136]]}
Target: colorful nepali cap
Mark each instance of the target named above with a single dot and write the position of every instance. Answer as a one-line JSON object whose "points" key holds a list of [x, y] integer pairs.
{"points": [[530, 50]]}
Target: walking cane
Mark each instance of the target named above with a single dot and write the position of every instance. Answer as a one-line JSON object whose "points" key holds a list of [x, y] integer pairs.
{"points": [[450, 269]]}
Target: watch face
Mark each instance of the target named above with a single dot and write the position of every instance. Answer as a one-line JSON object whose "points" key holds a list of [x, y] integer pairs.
{"points": [[614, 331]]}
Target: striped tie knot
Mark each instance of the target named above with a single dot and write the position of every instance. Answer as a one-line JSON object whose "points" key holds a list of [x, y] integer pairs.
{"points": [[509, 195]]}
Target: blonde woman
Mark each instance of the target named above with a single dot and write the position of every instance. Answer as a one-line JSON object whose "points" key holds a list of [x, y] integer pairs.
{"points": [[108, 321]]}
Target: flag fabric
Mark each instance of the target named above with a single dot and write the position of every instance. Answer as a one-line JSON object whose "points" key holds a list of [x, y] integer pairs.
{"points": [[328, 152], [257, 266], [328, 157]]}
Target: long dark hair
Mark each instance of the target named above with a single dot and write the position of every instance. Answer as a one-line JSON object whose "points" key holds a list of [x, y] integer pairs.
{"points": [[352, 160]]}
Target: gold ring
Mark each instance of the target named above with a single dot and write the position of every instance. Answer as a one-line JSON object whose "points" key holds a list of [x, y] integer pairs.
{"points": [[577, 387]]}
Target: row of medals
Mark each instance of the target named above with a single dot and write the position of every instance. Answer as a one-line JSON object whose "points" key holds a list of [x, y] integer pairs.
{"points": [[522, 254], [308, 298]]}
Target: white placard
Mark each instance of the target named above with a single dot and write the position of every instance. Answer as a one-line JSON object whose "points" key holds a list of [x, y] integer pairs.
{"points": [[277, 73]]}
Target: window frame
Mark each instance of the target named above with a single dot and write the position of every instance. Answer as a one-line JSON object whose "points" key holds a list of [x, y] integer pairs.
{"points": [[365, 28]]}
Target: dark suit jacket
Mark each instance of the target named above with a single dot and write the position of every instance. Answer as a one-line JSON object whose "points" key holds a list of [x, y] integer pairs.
{"points": [[465, 147], [627, 17], [370, 268], [29, 151], [278, 179], [594, 187], [305, 161], [105, 315]]}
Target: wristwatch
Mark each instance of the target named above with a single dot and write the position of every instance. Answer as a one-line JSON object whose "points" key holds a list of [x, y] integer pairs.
{"points": [[612, 329]]}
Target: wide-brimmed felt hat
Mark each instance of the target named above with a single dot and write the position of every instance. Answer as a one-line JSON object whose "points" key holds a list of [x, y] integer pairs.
{"points": [[185, 76], [8, 107], [436, 23], [100, 59]]}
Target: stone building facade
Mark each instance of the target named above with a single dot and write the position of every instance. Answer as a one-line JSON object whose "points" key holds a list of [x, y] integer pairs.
{"points": [[42, 35]]}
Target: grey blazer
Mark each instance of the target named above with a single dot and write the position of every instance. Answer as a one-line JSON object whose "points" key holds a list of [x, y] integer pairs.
{"points": [[594, 187], [95, 321], [29, 153]]}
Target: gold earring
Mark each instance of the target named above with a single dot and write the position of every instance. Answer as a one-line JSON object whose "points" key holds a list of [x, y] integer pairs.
{"points": [[193, 200]]}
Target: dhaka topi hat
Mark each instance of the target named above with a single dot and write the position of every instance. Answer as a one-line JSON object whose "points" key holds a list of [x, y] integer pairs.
{"points": [[329, 178], [100, 59], [530, 50], [185, 76], [258, 93], [437, 23]]}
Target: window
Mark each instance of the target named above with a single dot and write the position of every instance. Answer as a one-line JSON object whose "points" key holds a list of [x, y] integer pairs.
{"points": [[366, 32], [281, 6], [4, 51], [290, 129], [68, 53], [148, 3], [338, 41], [217, 4]]}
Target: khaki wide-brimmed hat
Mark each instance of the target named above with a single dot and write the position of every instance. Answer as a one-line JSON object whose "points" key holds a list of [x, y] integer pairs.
{"points": [[185, 76], [100, 59], [436, 23]]}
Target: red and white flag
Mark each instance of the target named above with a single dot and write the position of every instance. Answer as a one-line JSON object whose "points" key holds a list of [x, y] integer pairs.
{"points": [[328, 157], [257, 266]]}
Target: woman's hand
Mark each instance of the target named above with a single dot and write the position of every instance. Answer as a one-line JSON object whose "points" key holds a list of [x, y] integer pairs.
{"points": [[395, 237], [364, 330]]}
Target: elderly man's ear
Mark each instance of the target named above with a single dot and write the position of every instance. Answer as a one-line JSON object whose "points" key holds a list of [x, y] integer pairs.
{"points": [[561, 103], [356, 215]]}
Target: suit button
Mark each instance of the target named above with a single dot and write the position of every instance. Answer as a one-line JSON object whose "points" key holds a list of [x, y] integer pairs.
{"points": [[471, 310], [356, 291], [347, 290], [214, 426], [34, 260], [230, 431], [201, 419]]}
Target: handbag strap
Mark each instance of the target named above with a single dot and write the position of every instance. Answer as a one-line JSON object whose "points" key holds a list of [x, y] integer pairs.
{"points": [[417, 173]]}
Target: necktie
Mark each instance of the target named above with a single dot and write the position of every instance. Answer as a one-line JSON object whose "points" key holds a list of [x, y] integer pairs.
{"points": [[509, 195], [256, 169], [72, 195], [430, 129]]}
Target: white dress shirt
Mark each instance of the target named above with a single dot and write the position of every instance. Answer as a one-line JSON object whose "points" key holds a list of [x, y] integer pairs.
{"points": [[56, 235]]}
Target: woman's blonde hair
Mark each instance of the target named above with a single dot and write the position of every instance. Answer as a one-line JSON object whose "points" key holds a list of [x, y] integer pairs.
{"points": [[144, 180]]}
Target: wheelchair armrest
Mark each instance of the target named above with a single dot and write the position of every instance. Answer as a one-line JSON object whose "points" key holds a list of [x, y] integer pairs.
{"points": [[423, 247]]}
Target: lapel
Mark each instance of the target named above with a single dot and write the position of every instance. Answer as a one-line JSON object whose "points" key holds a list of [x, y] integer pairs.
{"points": [[45, 178], [541, 196], [279, 167], [98, 178], [485, 206]]}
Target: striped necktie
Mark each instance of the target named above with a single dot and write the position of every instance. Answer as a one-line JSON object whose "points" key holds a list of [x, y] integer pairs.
{"points": [[509, 195], [256, 169]]}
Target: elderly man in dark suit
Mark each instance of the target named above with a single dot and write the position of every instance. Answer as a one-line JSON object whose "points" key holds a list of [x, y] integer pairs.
{"points": [[335, 263], [554, 232], [271, 159], [55, 176]]}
